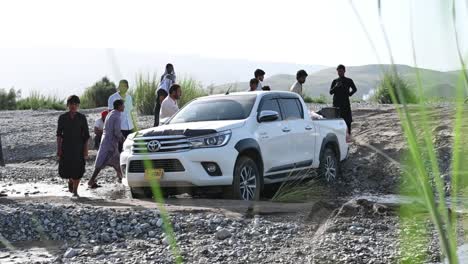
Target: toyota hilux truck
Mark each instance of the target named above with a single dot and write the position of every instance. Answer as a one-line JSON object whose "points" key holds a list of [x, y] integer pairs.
{"points": [[237, 141]]}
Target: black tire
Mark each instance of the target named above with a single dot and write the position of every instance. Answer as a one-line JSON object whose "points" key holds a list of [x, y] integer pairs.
{"points": [[329, 169], [141, 192], [248, 182]]}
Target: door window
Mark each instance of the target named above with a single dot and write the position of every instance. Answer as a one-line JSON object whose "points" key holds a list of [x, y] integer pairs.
{"points": [[271, 105], [291, 109]]}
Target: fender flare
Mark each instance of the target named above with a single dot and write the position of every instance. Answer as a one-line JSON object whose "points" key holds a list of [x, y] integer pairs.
{"points": [[250, 144], [333, 140]]}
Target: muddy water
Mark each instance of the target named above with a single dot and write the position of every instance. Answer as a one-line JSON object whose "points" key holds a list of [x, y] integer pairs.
{"points": [[107, 191]]}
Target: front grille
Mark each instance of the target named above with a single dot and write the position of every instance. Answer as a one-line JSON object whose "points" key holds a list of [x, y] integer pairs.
{"points": [[167, 144], [168, 165]]}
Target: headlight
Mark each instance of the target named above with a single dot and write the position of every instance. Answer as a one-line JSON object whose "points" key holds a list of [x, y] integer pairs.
{"points": [[127, 146], [211, 141]]}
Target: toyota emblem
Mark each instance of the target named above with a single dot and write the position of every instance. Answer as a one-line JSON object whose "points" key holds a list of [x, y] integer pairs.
{"points": [[153, 146]]}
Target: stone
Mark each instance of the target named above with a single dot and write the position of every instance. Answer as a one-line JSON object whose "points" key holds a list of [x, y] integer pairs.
{"points": [[70, 253], [222, 234]]}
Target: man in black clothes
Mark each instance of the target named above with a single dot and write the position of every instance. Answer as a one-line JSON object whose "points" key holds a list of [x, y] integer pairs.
{"points": [[342, 88]]}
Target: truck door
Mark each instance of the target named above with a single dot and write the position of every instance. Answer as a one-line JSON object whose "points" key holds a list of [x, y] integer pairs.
{"points": [[273, 138], [302, 134]]}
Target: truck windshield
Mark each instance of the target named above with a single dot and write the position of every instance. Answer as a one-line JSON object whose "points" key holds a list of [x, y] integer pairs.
{"points": [[229, 107]]}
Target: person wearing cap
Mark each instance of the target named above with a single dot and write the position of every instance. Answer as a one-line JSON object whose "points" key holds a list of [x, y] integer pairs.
{"points": [[99, 128], [301, 77], [127, 123], [259, 74], [342, 88]]}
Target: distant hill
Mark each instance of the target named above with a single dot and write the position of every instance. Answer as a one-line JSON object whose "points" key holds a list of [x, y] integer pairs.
{"points": [[366, 78]]}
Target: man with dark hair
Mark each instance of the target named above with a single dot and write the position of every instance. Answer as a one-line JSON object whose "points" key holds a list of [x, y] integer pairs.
{"points": [[127, 124], [301, 77], [167, 80], [259, 74], [342, 88], [253, 85], [169, 106], [72, 144], [109, 153]]}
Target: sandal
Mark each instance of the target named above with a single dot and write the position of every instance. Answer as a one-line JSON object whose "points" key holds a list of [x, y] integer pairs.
{"points": [[94, 185]]}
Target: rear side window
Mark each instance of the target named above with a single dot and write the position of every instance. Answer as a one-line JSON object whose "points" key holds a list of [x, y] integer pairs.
{"points": [[271, 105], [292, 109]]}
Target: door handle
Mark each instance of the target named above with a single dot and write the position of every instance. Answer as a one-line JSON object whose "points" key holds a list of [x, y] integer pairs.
{"points": [[286, 129], [308, 128]]}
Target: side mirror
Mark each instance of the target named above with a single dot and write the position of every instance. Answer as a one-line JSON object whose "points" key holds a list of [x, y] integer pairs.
{"points": [[268, 116]]}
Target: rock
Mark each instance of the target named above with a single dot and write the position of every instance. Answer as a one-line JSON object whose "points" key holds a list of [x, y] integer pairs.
{"points": [[97, 250], [70, 253], [105, 237], [159, 223], [222, 234], [73, 233], [151, 234]]}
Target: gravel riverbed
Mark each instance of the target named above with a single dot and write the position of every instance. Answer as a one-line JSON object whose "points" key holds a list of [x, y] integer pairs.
{"points": [[39, 223]]}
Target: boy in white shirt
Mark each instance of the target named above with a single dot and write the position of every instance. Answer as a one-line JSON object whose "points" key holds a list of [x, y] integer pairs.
{"points": [[127, 124], [169, 106]]}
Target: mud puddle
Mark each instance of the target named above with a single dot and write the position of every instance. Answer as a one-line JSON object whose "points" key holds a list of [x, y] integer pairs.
{"points": [[30, 252]]}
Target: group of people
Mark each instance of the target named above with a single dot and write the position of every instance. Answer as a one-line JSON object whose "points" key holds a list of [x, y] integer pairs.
{"points": [[117, 122], [341, 88], [111, 130]]}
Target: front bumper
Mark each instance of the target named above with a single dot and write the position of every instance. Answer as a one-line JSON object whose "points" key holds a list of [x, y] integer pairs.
{"points": [[194, 173]]}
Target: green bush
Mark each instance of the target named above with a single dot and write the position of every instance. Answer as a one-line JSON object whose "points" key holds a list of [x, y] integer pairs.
{"points": [[37, 101], [401, 89], [98, 94], [322, 99], [8, 99], [191, 89], [144, 94]]}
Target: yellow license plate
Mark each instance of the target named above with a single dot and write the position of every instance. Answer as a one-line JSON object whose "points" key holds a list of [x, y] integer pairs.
{"points": [[154, 174]]}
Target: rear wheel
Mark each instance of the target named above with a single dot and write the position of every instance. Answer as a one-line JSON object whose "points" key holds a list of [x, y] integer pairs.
{"points": [[247, 183], [329, 165]]}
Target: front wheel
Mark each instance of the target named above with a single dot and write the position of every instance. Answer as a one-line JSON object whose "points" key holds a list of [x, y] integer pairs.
{"points": [[247, 182], [329, 165]]}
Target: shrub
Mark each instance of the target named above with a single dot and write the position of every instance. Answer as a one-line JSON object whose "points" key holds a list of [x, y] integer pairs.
{"points": [[191, 89], [37, 101], [322, 99], [8, 99], [393, 82], [98, 94], [144, 95]]}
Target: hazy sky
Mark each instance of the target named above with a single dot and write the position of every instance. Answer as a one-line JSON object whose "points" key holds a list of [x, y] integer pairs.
{"points": [[324, 32]]}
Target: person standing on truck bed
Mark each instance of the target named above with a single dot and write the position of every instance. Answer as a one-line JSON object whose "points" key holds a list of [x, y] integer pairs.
{"points": [[72, 144], [301, 77], [259, 74], [167, 80], [342, 88], [126, 125], [108, 153], [253, 85], [169, 106]]}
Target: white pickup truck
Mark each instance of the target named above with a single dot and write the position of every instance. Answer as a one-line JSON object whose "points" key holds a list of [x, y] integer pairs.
{"points": [[238, 141]]}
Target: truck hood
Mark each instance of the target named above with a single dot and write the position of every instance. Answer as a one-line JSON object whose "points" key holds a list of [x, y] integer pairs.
{"points": [[192, 129]]}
